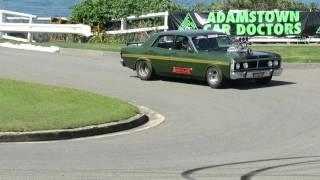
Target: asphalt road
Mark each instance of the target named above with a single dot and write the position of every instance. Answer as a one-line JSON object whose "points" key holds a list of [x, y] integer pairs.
{"points": [[241, 132]]}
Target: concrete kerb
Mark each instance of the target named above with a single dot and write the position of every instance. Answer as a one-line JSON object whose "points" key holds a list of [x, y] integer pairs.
{"points": [[146, 116]]}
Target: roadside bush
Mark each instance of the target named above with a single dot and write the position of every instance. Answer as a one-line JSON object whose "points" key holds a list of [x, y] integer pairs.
{"points": [[100, 13], [120, 38], [256, 5]]}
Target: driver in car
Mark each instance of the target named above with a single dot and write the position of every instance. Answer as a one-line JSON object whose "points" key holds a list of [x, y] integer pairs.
{"points": [[184, 44]]}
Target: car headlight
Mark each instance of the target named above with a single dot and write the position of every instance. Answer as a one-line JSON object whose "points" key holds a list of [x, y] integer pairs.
{"points": [[270, 63], [237, 66], [276, 63], [245, 65]]}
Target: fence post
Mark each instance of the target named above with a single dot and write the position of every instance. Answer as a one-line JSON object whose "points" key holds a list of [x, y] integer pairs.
{"points": [[1, 21], [166, 20], [123, 24], [29, 33]]}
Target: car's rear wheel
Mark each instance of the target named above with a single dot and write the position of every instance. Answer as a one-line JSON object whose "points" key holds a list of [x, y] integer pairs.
{"points": [[214, 77], [265, 80], [144, 70]]}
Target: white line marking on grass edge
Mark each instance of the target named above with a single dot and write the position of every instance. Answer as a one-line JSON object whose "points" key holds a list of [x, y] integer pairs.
{"points": [[30, 47], [155, 119]]}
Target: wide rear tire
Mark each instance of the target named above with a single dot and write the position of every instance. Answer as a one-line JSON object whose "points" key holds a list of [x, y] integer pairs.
{"points": [[144, 70], [215, 77]]}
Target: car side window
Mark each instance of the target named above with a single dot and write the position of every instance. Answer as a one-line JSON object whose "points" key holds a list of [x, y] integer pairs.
{"points": [[165, 42], [182, 43], [203, 43]]}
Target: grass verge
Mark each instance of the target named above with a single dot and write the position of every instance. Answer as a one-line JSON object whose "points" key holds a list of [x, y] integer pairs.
{"points": [[290, 53], [92, 46], [294, 53], [30, 107]]}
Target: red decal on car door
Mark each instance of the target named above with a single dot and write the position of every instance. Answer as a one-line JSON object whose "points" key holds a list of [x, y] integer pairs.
{"points": [[182, 70]]}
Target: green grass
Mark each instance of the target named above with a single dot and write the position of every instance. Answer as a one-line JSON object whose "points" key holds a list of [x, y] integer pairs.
{"points": [[294, 53], [92, 46], [290, 53], [29, 107]]}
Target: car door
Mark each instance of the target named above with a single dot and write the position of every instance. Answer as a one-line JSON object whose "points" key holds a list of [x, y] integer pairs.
{"points": [[160, 53], [184, 62]]}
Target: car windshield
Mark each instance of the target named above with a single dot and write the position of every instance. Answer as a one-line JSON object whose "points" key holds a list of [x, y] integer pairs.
{"points": [[212, 42]]}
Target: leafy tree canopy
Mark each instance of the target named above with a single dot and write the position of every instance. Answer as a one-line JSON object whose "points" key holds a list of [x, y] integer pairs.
{"points": [[255, 5], [101, 12]]}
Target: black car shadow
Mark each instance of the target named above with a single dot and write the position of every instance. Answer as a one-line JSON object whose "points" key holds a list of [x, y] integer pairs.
{"points": [[251, 84], [177, 80], [305, 160], [229, 84]]}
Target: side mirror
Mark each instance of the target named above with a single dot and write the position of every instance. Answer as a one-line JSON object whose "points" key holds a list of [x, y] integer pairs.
{"points": [[190, 50]]}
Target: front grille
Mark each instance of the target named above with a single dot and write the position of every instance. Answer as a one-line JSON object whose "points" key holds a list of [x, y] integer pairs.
{"points": [[257, 64], [263, 64], [252, 64]]}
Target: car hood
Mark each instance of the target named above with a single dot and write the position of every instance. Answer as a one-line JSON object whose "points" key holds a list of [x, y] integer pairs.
{"points": [[237, 56], [251, 55]]}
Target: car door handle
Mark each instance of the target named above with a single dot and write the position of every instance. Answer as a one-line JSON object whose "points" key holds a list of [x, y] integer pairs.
{"points": [[173, 53]]}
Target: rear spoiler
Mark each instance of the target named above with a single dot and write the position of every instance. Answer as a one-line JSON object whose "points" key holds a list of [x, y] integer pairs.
{"points": [[135, 43]]}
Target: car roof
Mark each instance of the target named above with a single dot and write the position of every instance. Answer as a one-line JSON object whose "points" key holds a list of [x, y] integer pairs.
{"points": [[189, 32]]}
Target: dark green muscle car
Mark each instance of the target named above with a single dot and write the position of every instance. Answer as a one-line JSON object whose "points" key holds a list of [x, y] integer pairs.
{"points": [[204, 55]]}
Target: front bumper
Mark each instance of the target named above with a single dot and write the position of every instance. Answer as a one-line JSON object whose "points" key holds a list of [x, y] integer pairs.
{"points": [[255, 74]]}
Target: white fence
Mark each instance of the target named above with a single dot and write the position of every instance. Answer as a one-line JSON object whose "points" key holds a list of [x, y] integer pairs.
{"points": [[288, 40], [20, 22], [124, 30]]}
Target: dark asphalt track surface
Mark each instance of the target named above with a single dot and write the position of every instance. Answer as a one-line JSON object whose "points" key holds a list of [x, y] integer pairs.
{"points": [[243, 131]]}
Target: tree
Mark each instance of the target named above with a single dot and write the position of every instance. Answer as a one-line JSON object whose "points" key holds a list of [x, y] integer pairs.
{"points": [[101, 12], [207, 7], [256, 5], [314, 6]]}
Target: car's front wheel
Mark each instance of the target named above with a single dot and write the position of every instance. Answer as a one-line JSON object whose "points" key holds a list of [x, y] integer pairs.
{"points": [[144, 70], [265, 80], [215, 77]]}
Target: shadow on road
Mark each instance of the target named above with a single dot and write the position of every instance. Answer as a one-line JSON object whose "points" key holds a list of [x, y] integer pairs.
{"points": [[230, 84], [251, 84], [177, 80], [189, 174]]}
